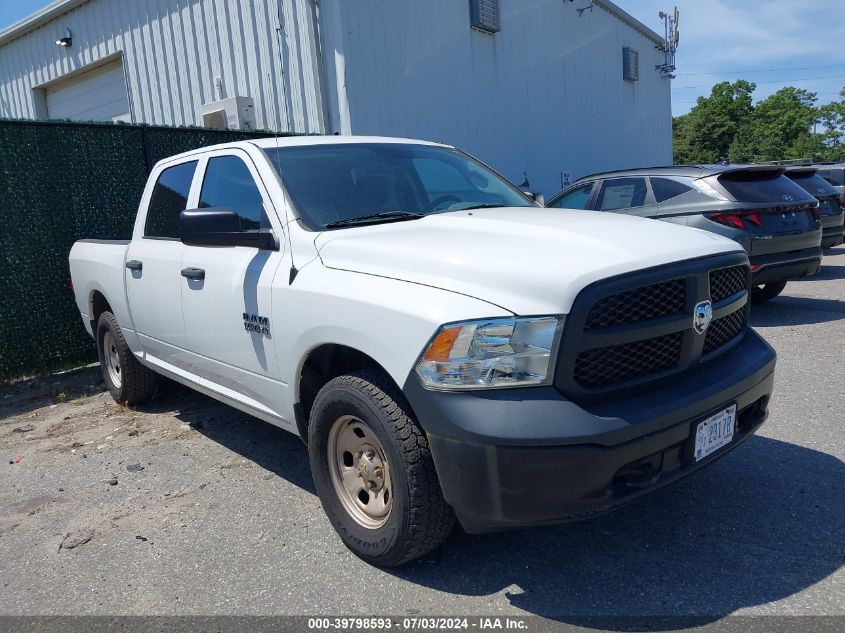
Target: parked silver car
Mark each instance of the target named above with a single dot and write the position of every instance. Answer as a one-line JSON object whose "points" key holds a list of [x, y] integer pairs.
{"points": [[775, 220]]}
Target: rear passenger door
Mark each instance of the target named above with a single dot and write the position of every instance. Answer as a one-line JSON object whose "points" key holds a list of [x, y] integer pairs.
{"points": [[629, 195], [153, 262], [227, 313]]}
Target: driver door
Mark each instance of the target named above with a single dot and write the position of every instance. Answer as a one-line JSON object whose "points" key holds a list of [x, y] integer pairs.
{"points": [[227, 312]]}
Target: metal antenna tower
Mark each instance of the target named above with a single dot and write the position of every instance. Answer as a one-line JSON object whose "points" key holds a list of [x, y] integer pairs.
{"points": [[670, 43]]}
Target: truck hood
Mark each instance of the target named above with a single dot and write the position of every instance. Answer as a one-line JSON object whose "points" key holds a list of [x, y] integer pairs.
{"points": [[529, 261]]}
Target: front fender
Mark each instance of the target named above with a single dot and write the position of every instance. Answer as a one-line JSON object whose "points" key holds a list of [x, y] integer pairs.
{"points": [[388, 320]]}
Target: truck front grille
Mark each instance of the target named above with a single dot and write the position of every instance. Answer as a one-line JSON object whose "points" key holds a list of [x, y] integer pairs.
{"points": [[649, 302], [635, 331], [618, 363], [724, 330], [726, 282]]}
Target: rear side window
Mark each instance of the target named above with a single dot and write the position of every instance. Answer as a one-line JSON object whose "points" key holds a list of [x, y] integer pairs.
{"points": [[228, 184], [169, 199], [622, 193], [748, 186], [578, 198], [816, 185], [835, 177], [666, 188]]}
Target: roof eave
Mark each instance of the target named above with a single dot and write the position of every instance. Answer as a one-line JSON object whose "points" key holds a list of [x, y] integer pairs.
{"points": [[630, 20]]}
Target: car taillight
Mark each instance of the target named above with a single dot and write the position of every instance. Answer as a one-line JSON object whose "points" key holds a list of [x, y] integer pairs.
{"points": [[727, 218], [754, 218], [814, 209]]}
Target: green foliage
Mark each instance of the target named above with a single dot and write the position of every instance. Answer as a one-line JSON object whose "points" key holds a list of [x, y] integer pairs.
{"points": [[60, 182], [785, 125], [704, 135]]}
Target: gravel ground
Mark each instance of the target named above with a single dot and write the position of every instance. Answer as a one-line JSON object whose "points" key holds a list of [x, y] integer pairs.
{"points": [[189, 507]]}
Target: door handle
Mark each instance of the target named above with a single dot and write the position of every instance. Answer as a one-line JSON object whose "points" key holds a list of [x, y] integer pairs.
{"points": [[134, 264], [197, 274]]}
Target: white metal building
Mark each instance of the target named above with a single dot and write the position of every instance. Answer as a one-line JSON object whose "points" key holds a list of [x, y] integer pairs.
{"points": [[535, 86]]}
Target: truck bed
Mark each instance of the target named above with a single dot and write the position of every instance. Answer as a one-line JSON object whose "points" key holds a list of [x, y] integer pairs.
{"points": [[98, 266]]}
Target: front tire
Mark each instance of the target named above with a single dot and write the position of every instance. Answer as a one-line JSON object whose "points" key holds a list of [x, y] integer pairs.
{"points": [[127, 380], [760, 294], [374, 472]]}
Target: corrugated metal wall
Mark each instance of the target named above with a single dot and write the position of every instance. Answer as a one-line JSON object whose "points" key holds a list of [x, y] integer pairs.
{"points": [[172, 51], [543, 96]]}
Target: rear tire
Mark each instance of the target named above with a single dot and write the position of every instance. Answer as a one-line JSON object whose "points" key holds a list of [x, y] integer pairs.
{"points": [[127, 380], [374, 472], [759, 294]]}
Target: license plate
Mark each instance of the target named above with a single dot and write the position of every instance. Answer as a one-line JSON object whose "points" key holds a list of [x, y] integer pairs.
{"points": [[715, 432]]}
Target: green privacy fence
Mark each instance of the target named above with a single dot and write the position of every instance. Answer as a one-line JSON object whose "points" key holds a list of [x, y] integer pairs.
{"points": [[60, 182]]}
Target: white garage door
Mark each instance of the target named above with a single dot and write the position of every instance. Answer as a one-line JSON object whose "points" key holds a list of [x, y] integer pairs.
{"points": [[96, 95]]}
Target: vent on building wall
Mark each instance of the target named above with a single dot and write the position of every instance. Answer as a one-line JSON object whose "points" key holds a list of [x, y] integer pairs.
{"points": [[214, 119], [485, 16], [630, 64]]}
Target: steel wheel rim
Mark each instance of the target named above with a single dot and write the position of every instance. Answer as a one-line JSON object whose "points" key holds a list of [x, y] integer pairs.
{"points": [[112, 358], [359, 471]]}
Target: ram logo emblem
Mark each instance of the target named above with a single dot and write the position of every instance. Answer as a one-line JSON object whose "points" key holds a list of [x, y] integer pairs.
{"points": [[702, 316]]}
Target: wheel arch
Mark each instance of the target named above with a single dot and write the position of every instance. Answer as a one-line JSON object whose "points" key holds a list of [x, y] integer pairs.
{"points": [[321, 364], [97, 304]]}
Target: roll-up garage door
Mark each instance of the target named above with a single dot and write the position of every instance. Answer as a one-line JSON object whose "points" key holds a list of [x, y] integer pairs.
{"points": [[98, 94]]}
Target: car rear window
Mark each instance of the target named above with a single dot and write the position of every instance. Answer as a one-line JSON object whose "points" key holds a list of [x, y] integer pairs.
{"points": [[833, 176], [815, 185], [751, 186]]}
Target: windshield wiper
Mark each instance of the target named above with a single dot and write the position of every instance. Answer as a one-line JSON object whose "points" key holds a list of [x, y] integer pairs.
{"points": [[375, 218], [489, 205]]}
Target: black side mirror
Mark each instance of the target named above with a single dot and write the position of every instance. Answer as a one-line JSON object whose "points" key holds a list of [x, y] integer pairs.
{"points": [[221, 227], [536, 196]]}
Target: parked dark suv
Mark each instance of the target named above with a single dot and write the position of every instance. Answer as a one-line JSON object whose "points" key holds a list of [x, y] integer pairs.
{"points": [[830, 209], [774, 219], [835, 175]]}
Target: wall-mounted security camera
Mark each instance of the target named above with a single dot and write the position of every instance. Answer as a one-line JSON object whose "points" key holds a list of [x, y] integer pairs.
{"points": [[66, 41]]}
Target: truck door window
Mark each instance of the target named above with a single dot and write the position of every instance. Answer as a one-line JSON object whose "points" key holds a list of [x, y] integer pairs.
{"points": [[578, 198], [169, 199], [228, 184], [621, 193]]}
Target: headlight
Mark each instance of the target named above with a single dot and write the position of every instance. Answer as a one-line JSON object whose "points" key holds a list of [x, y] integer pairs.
{"points": [[491, 353]]}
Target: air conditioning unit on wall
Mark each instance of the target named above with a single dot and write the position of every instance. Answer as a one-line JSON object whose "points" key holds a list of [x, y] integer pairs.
{"points": [[233, 113]]}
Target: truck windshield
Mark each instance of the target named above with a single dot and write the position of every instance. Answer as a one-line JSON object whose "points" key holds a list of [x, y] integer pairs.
{"points": [[335, 184]]}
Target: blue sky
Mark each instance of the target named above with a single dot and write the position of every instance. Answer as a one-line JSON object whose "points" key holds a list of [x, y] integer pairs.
{"points": [[774, 43]]}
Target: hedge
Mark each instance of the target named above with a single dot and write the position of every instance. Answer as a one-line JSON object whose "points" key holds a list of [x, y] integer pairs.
{"points": [[60, 182]]}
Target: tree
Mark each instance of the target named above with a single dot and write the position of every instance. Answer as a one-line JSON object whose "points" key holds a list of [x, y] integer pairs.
{"points": [[779, 127], [787, 124], [831, 122], [705, 134]]}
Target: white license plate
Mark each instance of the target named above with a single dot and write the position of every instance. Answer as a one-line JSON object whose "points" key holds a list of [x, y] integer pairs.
{"points": [[714, 432]]}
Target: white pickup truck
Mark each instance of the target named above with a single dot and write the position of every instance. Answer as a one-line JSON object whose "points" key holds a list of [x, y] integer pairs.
{"points": [[446, 347]]}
